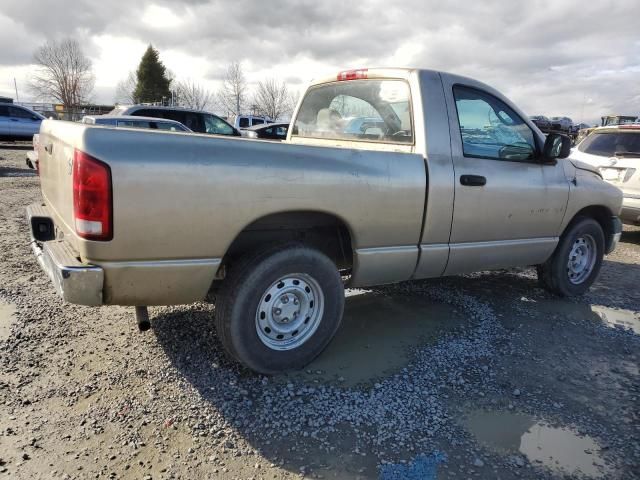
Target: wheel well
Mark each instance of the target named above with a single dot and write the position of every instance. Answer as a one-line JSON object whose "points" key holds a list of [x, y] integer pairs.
{"points": [[600, 214], [326, 232]]}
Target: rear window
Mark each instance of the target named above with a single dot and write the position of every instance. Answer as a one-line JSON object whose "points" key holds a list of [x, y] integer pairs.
{"points": [[612, 143], [357, 110]]}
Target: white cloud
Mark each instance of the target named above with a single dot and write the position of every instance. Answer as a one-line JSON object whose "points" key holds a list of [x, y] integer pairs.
{"points": [[546, 55]]}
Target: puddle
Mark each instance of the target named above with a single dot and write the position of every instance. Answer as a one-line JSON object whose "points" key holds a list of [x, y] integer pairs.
{"points": [[6, 319], [559, 449], [618, 318], [376, 337], [611, 317]]}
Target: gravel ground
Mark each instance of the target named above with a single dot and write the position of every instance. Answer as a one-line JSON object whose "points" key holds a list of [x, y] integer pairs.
{"points": [[465, 370]]}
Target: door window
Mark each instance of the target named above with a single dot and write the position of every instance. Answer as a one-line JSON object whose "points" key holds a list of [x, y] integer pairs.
{"points": [[20, 113], [257, 121], [217, 126], [4, 111], [490, 128], [244, 122]]}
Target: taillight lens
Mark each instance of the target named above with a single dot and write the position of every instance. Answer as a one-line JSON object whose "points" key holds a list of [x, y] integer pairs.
{"points": [[353, 74], [92, 202]]}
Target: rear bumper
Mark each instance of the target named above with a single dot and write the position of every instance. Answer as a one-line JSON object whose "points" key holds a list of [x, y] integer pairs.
{"points": [[74, 281], [614, 237], [152, 282]]}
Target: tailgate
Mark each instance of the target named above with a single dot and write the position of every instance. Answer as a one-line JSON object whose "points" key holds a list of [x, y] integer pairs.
{"points": [[58, 140]]}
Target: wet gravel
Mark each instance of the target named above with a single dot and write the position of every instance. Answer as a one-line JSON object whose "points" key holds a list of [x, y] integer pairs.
{"points": [[84, 395]]}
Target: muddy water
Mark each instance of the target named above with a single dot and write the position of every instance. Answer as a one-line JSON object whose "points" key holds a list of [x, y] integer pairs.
{"points": [[376, 337], [611, 317], [559, 449], [6, 319], [618, 318]]}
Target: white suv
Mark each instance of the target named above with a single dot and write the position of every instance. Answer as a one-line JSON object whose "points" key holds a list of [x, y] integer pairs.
{"points": [[616, 151]]}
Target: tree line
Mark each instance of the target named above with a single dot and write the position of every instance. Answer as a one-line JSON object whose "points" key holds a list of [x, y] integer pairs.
{"points": [[64, 74]]}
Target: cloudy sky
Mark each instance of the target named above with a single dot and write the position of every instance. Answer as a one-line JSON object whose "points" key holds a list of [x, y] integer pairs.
{"points": [[553, 57]]}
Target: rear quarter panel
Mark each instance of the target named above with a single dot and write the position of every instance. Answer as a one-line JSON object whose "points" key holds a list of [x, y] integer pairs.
{"points": [[179, 196]]}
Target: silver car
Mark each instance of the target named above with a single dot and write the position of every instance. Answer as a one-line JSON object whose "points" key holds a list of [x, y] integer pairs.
{"points": [[130, 121], [18, 123]]}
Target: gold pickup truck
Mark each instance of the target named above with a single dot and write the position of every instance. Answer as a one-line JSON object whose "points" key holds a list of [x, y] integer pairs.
{"points": [[386, 175]]}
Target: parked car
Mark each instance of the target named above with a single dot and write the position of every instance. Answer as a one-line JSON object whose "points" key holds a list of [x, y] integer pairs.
{"points": [[131, 121], [195, 120], [607, 120], [542, 122], [359, 125], [272, 228], [17, 122], [562, 124], [270, 131], [615, 150], [246, 121]]}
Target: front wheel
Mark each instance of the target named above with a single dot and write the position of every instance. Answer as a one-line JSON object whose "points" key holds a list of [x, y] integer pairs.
{"points": [[278, 309], [576, 262]]}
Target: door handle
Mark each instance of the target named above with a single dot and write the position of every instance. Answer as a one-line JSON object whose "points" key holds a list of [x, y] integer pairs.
{"points": [[473, 180]]}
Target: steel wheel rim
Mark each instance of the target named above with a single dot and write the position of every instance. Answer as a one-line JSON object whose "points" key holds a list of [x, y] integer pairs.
{"points": [[289, 312], [582, 259]]}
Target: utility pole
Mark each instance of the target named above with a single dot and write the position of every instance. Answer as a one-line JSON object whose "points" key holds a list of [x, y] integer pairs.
{"points": [[15, 84]]}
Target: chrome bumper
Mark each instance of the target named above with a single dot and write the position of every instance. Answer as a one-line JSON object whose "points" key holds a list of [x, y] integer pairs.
{"points": [[74, 281]]}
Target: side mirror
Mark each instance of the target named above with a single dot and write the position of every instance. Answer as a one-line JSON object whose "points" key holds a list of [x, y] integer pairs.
{"points": [[33, 117], [556, 145]]}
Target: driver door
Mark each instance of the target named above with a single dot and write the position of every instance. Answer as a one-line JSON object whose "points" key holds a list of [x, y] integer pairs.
{"points": [[508, 206]]}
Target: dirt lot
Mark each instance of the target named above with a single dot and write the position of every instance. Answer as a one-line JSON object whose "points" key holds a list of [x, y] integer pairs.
{"points": [[481, 376]]}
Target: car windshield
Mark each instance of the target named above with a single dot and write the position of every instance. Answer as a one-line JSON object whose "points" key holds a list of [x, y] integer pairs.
{"points": [[612, 143], [358, 110]]}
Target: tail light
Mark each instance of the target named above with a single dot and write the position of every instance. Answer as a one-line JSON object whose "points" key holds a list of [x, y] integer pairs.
{"points": [[92, 202], [353, 74]]}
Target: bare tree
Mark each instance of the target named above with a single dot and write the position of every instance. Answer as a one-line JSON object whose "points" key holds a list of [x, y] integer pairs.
{"points": [[273, 99], [63, 73], [233, 95], [193, 95], [126, 89]]}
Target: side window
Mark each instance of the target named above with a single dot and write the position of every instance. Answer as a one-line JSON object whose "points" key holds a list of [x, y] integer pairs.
{"points": [[4, 111], [168, 126], [20, 113], [133, 124], [216, 125], [146, 112], [257, 121], [281, 132], [244, 122], [490, 128]]}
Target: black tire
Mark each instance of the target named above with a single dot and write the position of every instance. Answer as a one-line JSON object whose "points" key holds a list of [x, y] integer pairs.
{"points": [[554, 273], [243, 289]]}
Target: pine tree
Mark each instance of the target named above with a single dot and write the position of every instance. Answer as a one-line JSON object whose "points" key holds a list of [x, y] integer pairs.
{"points": [[153, 83]]}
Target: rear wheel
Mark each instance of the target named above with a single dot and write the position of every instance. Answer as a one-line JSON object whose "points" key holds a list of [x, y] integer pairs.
{"points": [[576, 262], [278, 309]]}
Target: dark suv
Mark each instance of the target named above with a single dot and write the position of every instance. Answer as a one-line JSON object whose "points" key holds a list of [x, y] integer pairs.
{"points": [[199, 122]]}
